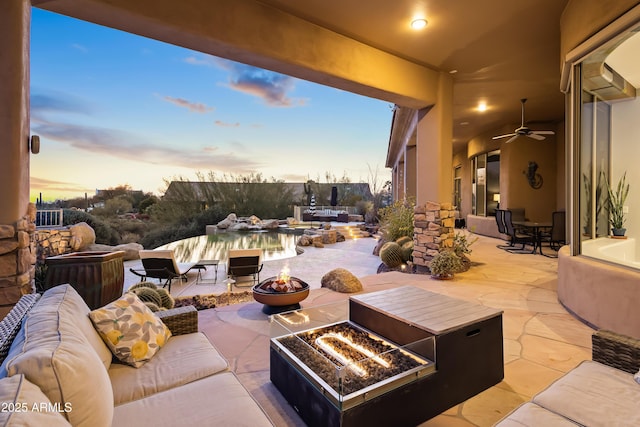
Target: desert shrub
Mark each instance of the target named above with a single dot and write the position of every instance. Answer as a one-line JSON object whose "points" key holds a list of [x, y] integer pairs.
{"points": [[105, 234], [196, 226], [396, 220]]}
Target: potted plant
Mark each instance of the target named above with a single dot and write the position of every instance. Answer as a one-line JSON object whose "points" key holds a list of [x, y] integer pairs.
{"points": [[615, 203], [444, 265]]}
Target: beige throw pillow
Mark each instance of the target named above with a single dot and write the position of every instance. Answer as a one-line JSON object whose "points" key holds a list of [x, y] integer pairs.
{"points": [[130, 329]]}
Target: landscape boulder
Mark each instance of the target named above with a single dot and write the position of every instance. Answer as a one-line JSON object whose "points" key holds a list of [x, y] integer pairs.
{"points": [[270, 224], [228, 221], [82, 236], [341, 280]]}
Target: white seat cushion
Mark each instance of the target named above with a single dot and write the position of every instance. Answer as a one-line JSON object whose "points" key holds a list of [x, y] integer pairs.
{"points": [[183, 359], [594, 394], [531, 415], [217, 400], [24, 405]]}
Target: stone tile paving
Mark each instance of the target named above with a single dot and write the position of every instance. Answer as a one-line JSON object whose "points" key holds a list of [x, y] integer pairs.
{"points": [[541, 340]]}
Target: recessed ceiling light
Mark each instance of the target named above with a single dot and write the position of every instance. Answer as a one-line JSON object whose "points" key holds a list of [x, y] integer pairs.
{"points": [[418, 24], [453, 71], [482, 106]]}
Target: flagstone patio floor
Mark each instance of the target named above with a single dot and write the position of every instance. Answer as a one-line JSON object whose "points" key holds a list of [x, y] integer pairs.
{"points": [[542, 340]]}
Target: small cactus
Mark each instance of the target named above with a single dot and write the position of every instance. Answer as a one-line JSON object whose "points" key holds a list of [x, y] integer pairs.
{"points": [[143, 285], [407, 250], [148, 295], [152, 306], [404, 239], [167, 300], [391, 254]]}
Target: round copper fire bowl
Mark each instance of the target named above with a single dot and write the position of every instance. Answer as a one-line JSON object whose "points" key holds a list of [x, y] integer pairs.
{"points": [[277, 302]]}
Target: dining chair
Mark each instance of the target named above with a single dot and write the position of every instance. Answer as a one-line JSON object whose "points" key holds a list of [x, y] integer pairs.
{"points": [[516, 236], [502, 229], [556, 237]]}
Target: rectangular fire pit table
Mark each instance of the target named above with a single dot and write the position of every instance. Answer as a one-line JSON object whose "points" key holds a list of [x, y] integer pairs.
{"points": [[462, 339]]}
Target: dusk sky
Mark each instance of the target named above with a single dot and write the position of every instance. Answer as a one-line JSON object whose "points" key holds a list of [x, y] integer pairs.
{"points": [[113, 108]]}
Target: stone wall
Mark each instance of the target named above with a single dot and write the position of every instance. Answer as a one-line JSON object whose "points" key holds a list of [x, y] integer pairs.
{"points": [[433, 230], [52, 242], [17, 259]]}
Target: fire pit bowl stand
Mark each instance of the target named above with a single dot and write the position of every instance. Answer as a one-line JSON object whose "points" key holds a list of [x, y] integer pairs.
{"points": [[278, 302]]}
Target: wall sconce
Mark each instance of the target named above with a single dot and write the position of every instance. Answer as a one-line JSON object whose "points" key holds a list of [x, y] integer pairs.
{"points": [[34, 144]]}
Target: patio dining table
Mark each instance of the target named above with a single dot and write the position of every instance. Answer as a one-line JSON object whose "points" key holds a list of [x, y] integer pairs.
{"points": [[535, 228]]}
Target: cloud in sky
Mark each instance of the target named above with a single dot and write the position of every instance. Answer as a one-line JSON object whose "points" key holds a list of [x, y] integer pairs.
{"points": [[126, 145], [53, 102], [195, 107], [226, 125], [273, 88], [49, 185], [80, 47]]}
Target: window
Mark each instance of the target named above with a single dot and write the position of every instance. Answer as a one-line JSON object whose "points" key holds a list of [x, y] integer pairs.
{"points": [[485, 187]]}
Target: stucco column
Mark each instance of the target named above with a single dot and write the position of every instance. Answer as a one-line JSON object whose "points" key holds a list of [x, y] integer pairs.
{"points": [[410, 170], [15, 21], [434, 148], [16, 214]]}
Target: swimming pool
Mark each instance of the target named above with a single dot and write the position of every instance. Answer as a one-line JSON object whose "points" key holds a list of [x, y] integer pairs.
{"points": [[275, 245]]}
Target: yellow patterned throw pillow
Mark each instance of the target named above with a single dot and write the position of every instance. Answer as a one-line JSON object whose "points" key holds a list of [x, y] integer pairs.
{"points": [[130, 329]]}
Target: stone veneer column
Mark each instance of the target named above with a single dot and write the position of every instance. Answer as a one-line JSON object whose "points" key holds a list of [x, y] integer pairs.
{"points": [[433, 231], [17, 260]]}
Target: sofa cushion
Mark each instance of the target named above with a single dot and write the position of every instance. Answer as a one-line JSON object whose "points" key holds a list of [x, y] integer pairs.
{"points": [[594, 394], [217, 400], [23, 404], [185, 358], [130, 329], [55, 355], [531, 415], [66, 301]]}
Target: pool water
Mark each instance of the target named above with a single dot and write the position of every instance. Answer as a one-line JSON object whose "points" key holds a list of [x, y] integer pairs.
{"points": [[275, 245]]}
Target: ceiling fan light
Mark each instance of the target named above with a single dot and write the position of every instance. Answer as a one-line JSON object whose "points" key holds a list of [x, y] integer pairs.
{"points": [[419, 23]]}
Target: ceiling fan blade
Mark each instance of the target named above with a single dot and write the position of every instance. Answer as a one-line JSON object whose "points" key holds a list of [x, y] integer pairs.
{"points": [[513, 138], [544, 132], [504, 136], [535, 136]]}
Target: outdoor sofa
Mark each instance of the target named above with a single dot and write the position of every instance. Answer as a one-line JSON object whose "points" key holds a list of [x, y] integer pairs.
{"points": [[598, 392], [326, 215], [59, 372]]}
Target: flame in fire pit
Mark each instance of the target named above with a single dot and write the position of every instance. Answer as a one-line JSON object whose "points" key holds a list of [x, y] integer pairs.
{"points": [[323, 342], [284, 275]]}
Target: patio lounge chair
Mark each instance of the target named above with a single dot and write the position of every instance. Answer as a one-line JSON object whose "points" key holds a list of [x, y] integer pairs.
{"points": [[245, 262], [162, 265]]}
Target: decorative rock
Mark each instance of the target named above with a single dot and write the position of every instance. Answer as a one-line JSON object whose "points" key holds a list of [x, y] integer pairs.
{"points": [[7, 231], [376, 250], [341, 280], [82, 236], [270, 224], [228, 221], [239, 226], [318, 244]]}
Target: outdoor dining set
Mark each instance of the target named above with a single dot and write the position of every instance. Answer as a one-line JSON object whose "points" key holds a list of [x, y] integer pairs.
{"points": [[528, 237]]}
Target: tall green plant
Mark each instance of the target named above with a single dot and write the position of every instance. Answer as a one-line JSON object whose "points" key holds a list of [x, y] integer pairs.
{"points": [[616, 201], [396, 220]]}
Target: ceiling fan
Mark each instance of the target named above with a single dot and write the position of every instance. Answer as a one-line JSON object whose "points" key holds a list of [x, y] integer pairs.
{"points": [[524, 130]]}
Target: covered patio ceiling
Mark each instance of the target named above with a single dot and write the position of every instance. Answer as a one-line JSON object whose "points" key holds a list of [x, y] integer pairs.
{"points": [[497, 51]]}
